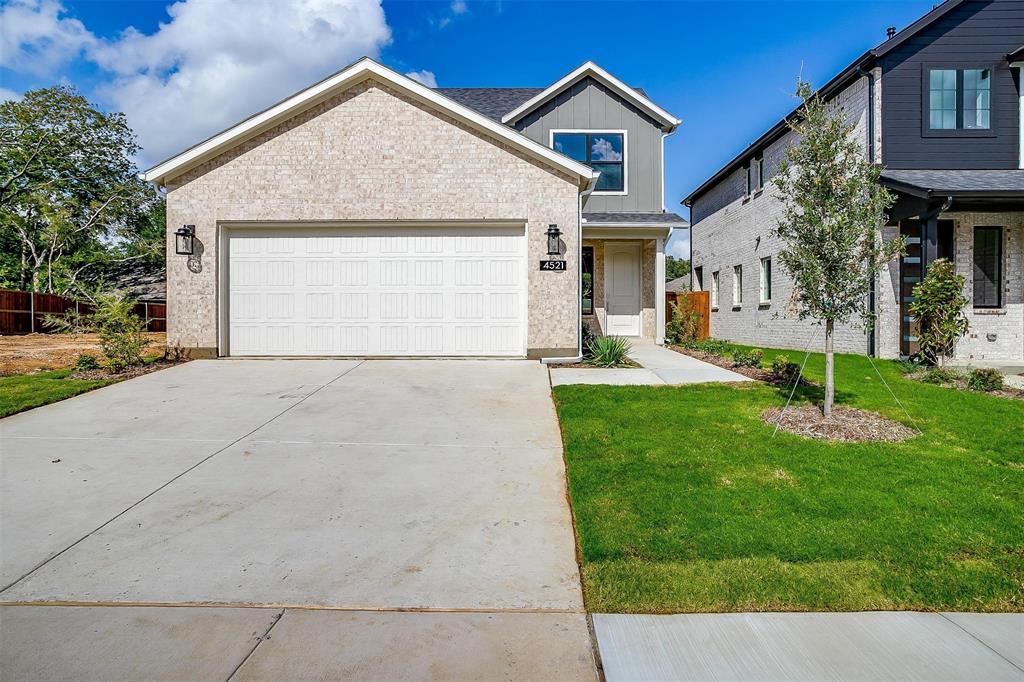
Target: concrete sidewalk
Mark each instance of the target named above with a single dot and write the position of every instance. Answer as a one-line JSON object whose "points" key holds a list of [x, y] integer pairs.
{"points": [[660, 366], [812, 646]]}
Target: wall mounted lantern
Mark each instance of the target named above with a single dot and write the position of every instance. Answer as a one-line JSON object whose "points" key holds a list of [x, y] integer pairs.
{"points": [[554, 247], [184, 240]]}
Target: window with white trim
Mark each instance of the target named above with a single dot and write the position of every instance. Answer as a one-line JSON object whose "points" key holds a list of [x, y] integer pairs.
{"points": [[714, 290], [766, 280], [737, 286], [605, 152]]}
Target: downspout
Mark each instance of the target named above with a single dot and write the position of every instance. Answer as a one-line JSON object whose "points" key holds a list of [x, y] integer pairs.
{"points": [[579, 278], [872, 290]]}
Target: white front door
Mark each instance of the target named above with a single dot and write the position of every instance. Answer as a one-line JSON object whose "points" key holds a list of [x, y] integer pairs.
{"points": [[622, 288], [430, 291]]}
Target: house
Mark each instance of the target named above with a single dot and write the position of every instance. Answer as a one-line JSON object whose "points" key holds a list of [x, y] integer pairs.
{"points": [[370, 215], [940, 106], [677, 285]]}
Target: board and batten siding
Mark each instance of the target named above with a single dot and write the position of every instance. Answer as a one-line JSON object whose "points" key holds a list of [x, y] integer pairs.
{"points": [[589, 105], [977, 33]]}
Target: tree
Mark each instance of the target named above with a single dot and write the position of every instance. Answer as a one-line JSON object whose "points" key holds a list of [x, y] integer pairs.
{"points": [[833, 210], [70, 196], [938, 306], [676, 267]]}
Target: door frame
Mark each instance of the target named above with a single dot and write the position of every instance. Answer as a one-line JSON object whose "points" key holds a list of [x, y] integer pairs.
{"points": [[638, 246], [222, 262]]}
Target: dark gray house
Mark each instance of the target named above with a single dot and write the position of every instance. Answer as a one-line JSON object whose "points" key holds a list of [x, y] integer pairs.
{"points": [[940, 106]]}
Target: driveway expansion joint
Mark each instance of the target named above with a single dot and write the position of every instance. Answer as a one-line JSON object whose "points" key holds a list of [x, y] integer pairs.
{"points": [[276, 619], [980, 641]]}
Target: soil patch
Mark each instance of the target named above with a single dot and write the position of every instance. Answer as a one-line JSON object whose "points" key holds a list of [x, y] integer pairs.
{"points": [[628, 364], [129, 373], [847, 424], [758, 373], [35, 352]]}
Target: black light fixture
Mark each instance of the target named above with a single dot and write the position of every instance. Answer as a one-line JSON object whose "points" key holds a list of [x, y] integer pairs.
{"points": [[184, 239], [554, 247]]}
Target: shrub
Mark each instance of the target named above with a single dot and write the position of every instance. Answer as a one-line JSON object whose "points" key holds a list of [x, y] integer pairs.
{"points": [[86, 362], [121, 331], [984, 379], [939, 310], [684, 327], [709, 346], [784, 369], [939, 375], [588, 339], [747, 358], [608, 351]]}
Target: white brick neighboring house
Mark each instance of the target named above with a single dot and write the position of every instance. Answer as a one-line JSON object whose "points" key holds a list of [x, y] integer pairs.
{"points": [[958, 180], [369, 215]]}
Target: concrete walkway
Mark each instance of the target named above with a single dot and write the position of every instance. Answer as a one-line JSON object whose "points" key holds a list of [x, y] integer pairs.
{"points": [[284, 519], [660, 366], [812, 646]]}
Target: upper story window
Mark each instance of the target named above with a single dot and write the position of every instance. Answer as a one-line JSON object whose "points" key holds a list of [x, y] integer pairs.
{"points": [[755, 176], [958, 100], [602, 151]]}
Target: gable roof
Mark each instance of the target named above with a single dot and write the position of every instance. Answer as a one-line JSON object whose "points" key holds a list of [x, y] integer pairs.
{"points": [[840, 81], [355, 73], [592, 70], [491, 102], [1016, 56]]}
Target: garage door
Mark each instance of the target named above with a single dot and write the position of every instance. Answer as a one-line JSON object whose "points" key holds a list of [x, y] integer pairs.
{"points": [[455, 291]]}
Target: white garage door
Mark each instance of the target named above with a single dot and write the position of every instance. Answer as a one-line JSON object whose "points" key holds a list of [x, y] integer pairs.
{"points": [[429, 291]]}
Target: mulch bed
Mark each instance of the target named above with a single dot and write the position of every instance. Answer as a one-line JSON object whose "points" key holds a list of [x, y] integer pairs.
{"points": [[628, 364], [130, 373], [847, 424], [961, 385], [756, 373]]}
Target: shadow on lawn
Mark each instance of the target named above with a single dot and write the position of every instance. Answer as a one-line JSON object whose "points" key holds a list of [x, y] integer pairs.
{"points": [[814, 394]]}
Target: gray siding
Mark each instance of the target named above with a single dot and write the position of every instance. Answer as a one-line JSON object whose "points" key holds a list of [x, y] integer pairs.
{"points": [[980, 32], [589, 105]]}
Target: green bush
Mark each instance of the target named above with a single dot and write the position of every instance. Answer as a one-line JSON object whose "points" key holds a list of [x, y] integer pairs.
{"points": [[984, 379], [784, 369], [939, 310], [86, 362], [939, 375], [747, 358], [608, 351], [684, 327], [588, 339], [709, 346]]}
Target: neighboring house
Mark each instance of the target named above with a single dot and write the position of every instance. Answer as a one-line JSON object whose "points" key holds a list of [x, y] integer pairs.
{"points": [[939, 105], [369, 215], [678, 284]]}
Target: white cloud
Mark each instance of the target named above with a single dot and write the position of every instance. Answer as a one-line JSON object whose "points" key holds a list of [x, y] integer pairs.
{"points": [[425, 77], [198, 73], [604, 150], [6, 95], [459, 7], [37, 37], [679, 244]]}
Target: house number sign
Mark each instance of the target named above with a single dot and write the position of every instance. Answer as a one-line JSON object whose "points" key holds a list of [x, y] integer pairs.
{"points": [[553, 265]]}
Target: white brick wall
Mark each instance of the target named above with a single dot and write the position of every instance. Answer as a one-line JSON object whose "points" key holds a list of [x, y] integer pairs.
{"points": [[372, 154], [735, 230]]}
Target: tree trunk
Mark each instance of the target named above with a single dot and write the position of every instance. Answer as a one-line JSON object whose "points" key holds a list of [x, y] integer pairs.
{"points": [[830, 382]]}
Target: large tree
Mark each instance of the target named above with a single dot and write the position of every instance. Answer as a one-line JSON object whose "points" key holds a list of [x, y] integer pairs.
{"points": [[834, 208], [676, 267], [70, 197]]}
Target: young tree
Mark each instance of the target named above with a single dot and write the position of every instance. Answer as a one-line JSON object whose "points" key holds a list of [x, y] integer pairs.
{"points": [[939, 308], [70, 197], [834, 208]]}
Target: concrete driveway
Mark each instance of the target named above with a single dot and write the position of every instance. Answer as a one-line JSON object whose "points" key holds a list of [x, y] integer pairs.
{"points": [[292, 518]]}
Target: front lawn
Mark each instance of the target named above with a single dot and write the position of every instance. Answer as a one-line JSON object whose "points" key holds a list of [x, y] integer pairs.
{"points": [[25, 391], [685, 503]]}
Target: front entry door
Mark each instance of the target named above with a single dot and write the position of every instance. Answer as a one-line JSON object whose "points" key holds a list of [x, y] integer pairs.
{"points": [[622, 288]]}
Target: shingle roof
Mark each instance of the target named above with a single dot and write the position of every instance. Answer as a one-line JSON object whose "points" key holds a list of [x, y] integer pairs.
{"points": [[491, 102], [625, 218], [678, 284], [957, 182], [495, 102]]}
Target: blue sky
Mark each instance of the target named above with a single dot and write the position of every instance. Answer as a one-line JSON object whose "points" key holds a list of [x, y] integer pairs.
{"points": [[183, 71]]}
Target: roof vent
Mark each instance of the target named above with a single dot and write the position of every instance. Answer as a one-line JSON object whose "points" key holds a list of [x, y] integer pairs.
{"points": [[890, 32]]}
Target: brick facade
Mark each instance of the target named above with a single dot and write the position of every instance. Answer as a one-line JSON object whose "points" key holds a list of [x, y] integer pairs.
{"points": [[371, 153]]}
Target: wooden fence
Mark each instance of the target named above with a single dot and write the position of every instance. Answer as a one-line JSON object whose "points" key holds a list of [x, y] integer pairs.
{"points": [[697, 301], [23, 312]]}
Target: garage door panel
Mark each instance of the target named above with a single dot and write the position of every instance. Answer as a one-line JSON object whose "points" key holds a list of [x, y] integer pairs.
{"points": [[433, 292]]}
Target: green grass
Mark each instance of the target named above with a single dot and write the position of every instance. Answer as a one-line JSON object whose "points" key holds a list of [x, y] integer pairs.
{"points": [[685, 503], [25, 391]]}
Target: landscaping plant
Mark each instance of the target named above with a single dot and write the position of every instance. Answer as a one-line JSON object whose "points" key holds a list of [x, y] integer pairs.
{"points": [[121, 331], [608, 351], [984, 379], [939, 375], [834, 208], [747, 358], [938, 306], [785, 370], [684, 327], [86, 362]]}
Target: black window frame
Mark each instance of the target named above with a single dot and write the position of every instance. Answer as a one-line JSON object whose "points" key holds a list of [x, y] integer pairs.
{"points": [[586, 254], [998, 230], [588, 146], [698, 278], [959, 67]]}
